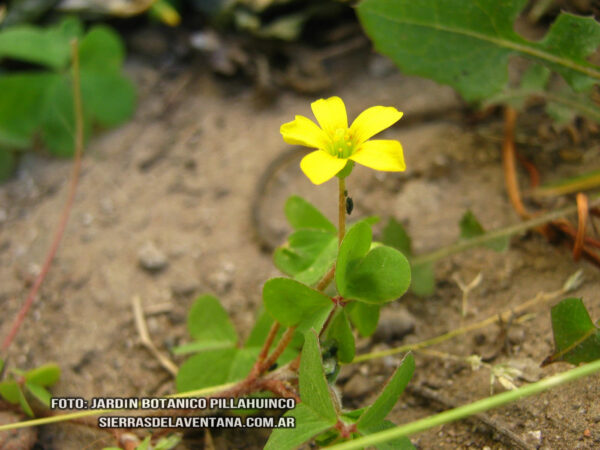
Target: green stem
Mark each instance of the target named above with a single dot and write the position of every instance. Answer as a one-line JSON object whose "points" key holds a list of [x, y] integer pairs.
{"points": [[490, 236], [503, 316], [99, 412], [341, 209], [470, 409]]}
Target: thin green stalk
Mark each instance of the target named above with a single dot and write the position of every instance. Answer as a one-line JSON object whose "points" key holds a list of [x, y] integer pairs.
{"points": [[504, 316], [341, 209], [99, 412], [471, 409], [492, 235]]}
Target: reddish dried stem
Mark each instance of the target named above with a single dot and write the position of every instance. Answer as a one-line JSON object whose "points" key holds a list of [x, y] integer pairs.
{"points": [[508, 162], [582, 215], [60, 229]]}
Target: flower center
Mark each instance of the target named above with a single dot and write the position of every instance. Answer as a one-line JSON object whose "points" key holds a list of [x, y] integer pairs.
{"points": [[342, 145]]}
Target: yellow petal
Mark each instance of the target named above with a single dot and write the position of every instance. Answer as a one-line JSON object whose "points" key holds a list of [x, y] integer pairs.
{"points": [[320, 166], [373, 120], [330, 113], [303, 131], [381, 155]]}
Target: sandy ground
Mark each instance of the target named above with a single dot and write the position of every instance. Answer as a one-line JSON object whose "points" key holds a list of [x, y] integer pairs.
{"points": [[182, 175]]}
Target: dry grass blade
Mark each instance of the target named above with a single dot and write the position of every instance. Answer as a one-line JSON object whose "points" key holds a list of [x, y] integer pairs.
{"points": [[582, 215], [142, 329]]}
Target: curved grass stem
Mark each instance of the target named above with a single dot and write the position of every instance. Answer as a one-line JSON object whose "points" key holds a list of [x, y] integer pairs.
{"points": [[471, 409]]}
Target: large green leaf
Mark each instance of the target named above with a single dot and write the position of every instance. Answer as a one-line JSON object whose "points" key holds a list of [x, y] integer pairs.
{"points": [[308, 424], [48, 47], [45, 375], [576, 338], [377, 412], [21, 106], [107, 110], [215, 367], [101, 50], [9, 391], [467, 44], [376, 276], [40, 393], [301, 214], [209, 324], [303, 249], [314, 390], [291, 302]]}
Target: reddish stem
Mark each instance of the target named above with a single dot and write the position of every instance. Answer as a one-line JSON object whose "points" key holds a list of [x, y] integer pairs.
{"points": [[281, 346], [582, 215], [508, 162], [60, 229]]}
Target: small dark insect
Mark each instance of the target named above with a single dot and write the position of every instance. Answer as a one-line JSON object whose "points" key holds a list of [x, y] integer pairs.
{"points": [[349, 205], [273, 367]]}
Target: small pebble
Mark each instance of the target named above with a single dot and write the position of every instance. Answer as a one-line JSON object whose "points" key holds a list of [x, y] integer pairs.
{"points": [[394, 325], [535, 437], [516, 335], [358, 386], [16, 439], [183, 287], [151, 258]]}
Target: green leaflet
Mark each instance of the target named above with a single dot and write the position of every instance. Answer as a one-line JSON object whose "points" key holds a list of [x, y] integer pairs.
{"points": [[292, 303], [470, 228], [422, 281], [467, 44], [308, 425], [208, 322], [216, 347], [364, 317], [314, 390], [340, 331], [576, 338], [374, 276], [301, 214], [215, 367], [377, 412]]}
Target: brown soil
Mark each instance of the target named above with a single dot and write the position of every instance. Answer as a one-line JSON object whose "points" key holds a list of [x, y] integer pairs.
{"points": [[182, 175]]}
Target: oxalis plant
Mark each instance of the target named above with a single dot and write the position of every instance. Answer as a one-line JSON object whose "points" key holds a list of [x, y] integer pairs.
{"points": [[338, 280], [308, 318]]}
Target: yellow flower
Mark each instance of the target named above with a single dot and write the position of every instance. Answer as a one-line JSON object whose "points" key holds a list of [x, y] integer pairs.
{"points": [[337, 144]]}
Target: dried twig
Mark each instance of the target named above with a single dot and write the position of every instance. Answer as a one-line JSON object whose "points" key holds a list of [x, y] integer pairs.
{"points": [[508, 162], [142, 329]]}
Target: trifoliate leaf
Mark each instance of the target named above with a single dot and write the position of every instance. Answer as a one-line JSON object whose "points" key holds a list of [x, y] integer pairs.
{"points": [[372, 276]]}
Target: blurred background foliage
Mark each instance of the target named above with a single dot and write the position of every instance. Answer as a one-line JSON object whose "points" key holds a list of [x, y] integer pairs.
{"points": [[271, 44]]}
